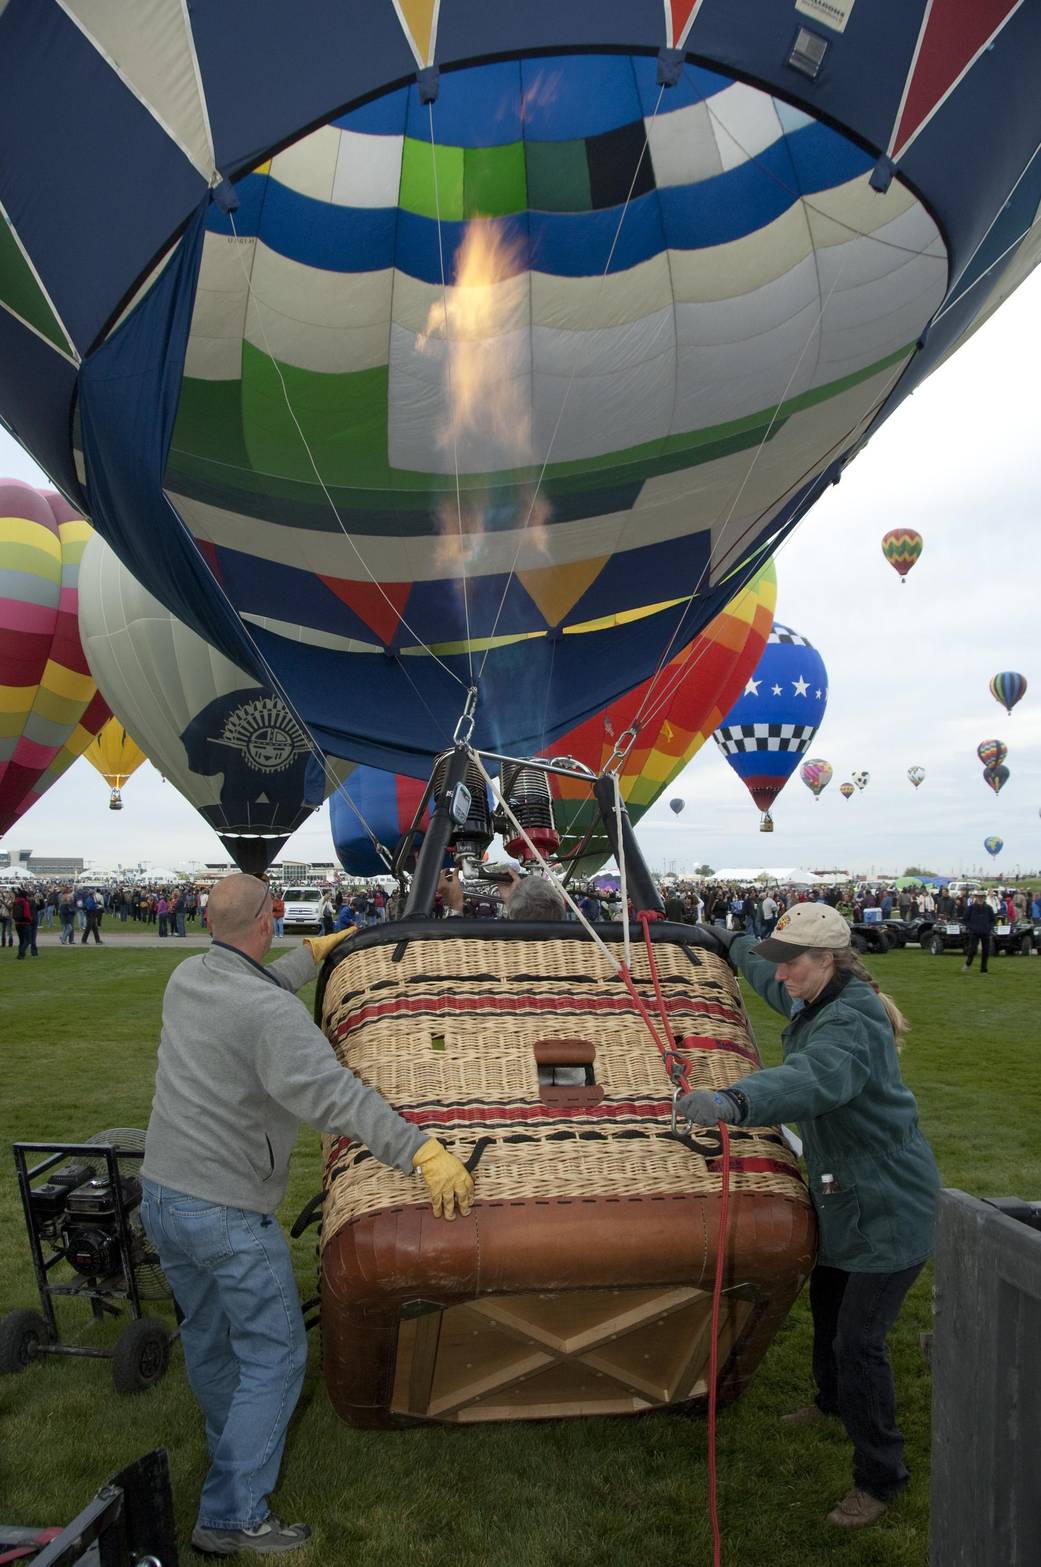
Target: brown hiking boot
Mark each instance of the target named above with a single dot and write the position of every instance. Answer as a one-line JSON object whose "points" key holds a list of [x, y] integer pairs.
{"points": [[857, 1510], [808, 1415]]}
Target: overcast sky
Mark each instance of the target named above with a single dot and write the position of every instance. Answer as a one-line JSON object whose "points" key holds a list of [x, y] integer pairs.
{"points": [[908, 665]]}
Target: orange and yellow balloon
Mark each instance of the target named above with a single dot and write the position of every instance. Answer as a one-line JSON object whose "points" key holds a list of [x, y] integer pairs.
{"points": [[902, 547], [115, 756]]}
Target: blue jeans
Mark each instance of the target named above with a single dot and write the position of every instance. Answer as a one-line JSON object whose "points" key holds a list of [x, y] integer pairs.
{"points": [[245, 1347], [279, 923]]}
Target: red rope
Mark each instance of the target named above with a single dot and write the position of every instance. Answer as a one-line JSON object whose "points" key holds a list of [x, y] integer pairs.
{"points": [[724, 1213]]}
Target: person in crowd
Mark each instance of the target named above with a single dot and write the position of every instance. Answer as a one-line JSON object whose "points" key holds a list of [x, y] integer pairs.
{"points": [[768, 910], [162, 909], [278, 912], [327, 915], [240, 1065], [524, 897], [6, 917], [24, 914], [92, 910], [872, 1176], [67, 915], [346, 919], [979, 922], [177, 913]]}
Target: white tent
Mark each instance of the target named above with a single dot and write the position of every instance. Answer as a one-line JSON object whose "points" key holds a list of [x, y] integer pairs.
{"points": [[786, 876]]}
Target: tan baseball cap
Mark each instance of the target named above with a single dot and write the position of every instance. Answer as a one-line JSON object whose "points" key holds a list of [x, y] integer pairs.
{"points": [[805, 926]]}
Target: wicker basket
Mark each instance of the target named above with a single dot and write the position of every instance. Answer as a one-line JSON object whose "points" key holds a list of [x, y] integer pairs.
{"points": [[580, 1281]]}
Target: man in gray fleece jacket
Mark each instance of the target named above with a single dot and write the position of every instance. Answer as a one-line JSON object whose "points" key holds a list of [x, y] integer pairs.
{"points": [[240, 1065]]}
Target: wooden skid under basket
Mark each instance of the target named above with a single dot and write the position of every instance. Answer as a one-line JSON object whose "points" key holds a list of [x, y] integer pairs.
{"points": [[580, 1283]]}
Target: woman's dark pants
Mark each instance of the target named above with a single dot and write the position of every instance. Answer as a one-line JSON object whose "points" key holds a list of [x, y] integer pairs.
{"points": [[852, 1313]]}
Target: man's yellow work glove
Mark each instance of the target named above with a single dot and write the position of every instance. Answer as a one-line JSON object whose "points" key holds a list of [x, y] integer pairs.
{"points": [[448, 1180], [321, 946]]}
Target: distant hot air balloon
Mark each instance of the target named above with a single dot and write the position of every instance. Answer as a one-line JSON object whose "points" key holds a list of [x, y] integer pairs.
{"points": [[115, 756], [682, 707], [1007, 688], [816, 775], [773, 723], [381, 805], [902, 547], [991, 752], [861, 779], [231, 747], [916, 775], [847, 791], [677, 805], [50, 709], [993, 845], [996, 778]]}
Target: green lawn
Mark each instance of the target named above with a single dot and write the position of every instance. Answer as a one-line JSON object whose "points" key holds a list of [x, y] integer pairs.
{"points": [[79, 1035]]}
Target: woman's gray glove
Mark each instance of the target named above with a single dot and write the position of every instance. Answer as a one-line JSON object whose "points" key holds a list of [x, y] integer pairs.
{"points": [[705, 1108]]}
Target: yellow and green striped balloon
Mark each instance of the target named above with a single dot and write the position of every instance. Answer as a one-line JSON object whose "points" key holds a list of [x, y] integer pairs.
{"points": [[902, 547]]}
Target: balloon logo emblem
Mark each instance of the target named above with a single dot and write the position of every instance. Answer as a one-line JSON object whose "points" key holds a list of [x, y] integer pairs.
{"points": [[266, 735]]}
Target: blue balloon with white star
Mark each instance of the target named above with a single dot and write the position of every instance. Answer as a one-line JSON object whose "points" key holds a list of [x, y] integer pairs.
{"points": [[772, 724]]}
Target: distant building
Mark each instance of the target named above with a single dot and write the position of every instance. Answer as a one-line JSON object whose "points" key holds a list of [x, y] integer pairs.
{"points": [[55, 866]]}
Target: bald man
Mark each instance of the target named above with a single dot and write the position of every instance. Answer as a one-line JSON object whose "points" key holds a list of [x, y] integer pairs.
{"points": [[240, 1065]]}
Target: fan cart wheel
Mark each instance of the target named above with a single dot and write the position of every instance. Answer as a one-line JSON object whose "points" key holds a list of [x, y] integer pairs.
{"points": [[140, 1357], [936, 946], [20, 1334], [883, 942], [858, 943]]}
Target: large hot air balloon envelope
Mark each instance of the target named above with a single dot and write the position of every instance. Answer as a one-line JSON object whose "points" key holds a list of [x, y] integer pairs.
{"points": [[1007, 688], [49, 705], [991, 752], [816, 775], [694, 297], [993, 845], [230, 747], [772, 724], [916, 775], [115, 756], [996, 778], [902, 547]]}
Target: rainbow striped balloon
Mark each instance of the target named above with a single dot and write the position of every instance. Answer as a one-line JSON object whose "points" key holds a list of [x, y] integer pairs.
{"points": [[50, 708], [902, 547]]}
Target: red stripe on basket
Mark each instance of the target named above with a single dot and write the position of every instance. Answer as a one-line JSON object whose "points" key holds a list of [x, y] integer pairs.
{"points": [[628, 1109], [434, 1005], [755, 1166]]}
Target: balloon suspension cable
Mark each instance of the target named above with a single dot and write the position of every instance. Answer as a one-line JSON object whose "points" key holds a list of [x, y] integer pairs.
{"points": [[522, 534], [957, 298], [623, 880], [363, 563], [501, 801]]}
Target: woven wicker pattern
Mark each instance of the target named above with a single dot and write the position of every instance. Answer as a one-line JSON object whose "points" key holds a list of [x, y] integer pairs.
{"points": [[447, 1032]]}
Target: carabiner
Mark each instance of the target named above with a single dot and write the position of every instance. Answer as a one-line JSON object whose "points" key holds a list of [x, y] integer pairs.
{"points": [[468, 717]]}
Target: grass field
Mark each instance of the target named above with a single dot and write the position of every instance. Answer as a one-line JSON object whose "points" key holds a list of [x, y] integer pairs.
{"points": [[79, 1036]]}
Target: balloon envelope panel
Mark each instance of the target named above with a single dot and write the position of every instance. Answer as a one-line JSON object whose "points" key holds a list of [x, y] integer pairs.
{"points": [[49, 705], [386, 804]]}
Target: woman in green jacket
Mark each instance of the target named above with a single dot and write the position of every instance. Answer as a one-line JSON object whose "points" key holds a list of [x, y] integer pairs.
{"points": [[872, 1175]]}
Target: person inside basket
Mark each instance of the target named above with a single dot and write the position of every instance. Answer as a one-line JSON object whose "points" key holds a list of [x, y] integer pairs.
{"points": [[872, 1175], [240, 1065]]}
